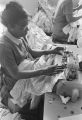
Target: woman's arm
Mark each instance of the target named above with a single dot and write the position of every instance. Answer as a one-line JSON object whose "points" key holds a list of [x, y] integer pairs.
{"points": [[50, 70], [70, 18], [39, 53], [77, 8], [10, 65]]}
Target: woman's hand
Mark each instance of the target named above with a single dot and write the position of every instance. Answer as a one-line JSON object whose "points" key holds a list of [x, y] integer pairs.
{"points": [[58, 50], [52, 70]]}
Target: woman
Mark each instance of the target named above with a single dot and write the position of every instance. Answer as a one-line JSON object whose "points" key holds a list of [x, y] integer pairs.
{"points": [[63, 16], [14, 49]]}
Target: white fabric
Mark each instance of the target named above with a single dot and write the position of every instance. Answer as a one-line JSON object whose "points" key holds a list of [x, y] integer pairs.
{"points": [[5, 114], [42, 21], [37, 39], [35, 86], [43, 18], [74, 32], [64, 99]]}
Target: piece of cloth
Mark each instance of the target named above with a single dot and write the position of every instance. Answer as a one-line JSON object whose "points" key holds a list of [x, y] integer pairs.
{"points": [[5, 114], [37, 85], [64, 7], [79, 32], [64, 99], [42, 21], [34, 86], [72, 31], [43, 17], [37, 39]]}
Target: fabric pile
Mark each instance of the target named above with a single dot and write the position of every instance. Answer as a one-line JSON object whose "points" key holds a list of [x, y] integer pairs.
{"points": [[72, 30], [36, 37], [43, 17], [42, 21], [37, 85]]}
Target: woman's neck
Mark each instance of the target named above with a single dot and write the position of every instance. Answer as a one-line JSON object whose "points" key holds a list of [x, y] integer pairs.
{"points": [[13, 34]]}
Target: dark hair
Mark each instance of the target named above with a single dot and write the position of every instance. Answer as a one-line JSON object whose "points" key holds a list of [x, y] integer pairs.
{"points": [[12, 14]]}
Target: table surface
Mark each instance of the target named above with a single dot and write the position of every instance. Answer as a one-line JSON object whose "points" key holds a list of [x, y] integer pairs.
{"points": [[54, 109]]}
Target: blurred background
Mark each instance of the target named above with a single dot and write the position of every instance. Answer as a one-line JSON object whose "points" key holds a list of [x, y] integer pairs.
{"points": [[30, 5]]}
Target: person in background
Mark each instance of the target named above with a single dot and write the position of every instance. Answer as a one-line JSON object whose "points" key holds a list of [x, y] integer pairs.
{"points": [[43, 17], [14, 49], [63, 16]]}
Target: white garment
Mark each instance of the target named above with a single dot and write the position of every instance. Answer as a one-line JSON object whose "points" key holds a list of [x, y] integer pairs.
{"points": [[37, 85], [37, 39], [72, 30]]}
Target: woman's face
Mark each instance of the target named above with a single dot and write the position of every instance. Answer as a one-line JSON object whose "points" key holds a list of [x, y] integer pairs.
{"points": [[20, 29]]}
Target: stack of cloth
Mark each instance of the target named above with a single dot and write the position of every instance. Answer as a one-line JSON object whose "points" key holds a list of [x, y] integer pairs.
{"points": [[43, 17], [36, 37], [36, 85]]}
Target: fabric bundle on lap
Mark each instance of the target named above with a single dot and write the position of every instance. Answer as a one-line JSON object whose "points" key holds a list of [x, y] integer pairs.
{"points": [[25, 88]]}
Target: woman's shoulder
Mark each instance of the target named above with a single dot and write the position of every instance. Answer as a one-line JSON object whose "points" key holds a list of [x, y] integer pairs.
{"points": [[5, 44]]}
